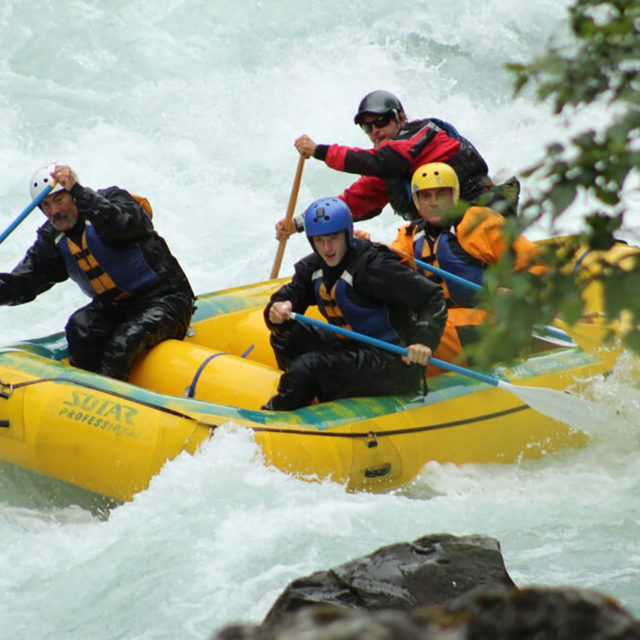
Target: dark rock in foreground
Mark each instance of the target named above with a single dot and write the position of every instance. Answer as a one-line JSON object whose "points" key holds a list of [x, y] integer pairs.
{"points": [[537, 613], [430, 570], [439, 587]]}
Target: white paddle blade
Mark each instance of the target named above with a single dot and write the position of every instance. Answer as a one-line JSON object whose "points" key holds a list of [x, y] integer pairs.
{"points": [[559, 405], [559, 342]]}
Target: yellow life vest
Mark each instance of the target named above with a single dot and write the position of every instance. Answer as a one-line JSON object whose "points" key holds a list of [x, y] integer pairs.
{"points": [[100, 281], [330, 305]]}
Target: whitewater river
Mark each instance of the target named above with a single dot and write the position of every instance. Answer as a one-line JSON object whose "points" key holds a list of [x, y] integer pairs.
{"points": [[196, 105]]}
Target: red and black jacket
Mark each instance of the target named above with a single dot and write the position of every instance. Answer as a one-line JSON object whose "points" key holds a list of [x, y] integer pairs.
{"points": [[386, 171]]}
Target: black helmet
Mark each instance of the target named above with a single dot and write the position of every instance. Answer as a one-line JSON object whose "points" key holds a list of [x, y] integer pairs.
{"points": [[379, 102]]}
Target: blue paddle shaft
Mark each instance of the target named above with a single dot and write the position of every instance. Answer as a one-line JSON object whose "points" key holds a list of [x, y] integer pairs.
{"points": [[550, 402], [449, 276], [393, 348], [551, 331], [34, 203]]}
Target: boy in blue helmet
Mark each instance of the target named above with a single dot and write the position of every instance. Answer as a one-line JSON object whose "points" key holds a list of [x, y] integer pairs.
{"points": [[357, 285]]}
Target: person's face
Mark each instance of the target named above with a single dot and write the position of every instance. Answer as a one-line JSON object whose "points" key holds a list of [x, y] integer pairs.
{"points": [[433, 204], [61, 210], [380, 127], [331, 248]]}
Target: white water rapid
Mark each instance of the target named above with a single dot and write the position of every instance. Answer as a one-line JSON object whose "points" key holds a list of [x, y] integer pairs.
{"points": [[196, 105]]}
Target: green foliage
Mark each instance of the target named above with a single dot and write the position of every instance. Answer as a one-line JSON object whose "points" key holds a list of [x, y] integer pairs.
{"points": [[601, 66]]}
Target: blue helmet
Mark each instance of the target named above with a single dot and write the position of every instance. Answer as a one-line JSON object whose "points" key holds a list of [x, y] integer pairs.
{"points": [[328, 215]]}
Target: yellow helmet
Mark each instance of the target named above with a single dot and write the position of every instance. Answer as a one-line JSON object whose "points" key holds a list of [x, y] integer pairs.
{"points": [[433, 176]]}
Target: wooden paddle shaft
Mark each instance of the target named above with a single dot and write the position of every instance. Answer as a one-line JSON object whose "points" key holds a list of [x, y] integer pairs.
{"points": [[287, 220]]}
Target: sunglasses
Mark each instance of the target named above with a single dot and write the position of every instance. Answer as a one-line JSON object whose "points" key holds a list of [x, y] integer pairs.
{"points": [[380, 122]]}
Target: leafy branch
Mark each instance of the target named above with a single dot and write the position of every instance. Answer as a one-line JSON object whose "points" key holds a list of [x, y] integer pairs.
{"points": [[601, 66]]}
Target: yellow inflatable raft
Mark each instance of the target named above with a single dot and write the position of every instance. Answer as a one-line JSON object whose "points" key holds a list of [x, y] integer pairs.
{"points": [[111, 437]]}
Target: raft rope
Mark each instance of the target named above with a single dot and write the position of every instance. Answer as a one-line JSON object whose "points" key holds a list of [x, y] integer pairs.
{"points": [[86, 385], [580, 260], [190, 391], [367, 436], [396, 432]]}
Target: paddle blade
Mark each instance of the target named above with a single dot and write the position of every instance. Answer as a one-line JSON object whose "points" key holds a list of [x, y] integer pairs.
{"points": [[559, 405], [552, 335]]}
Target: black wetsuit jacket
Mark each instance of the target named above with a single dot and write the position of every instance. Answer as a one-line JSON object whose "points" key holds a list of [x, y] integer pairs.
{"points": [[378, 280], [119, 221]]}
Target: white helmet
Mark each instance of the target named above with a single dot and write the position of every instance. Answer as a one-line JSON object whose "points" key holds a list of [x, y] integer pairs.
{"points": [[42, 178]]}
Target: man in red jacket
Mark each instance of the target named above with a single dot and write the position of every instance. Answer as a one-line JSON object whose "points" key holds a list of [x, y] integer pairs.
{"points": [[400, 147]]}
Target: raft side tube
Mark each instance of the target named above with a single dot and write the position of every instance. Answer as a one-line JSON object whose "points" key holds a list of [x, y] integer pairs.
{"points": [[184, 369]]}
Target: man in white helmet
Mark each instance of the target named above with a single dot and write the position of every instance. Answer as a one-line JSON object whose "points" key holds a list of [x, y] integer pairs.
{"points": [[106, 243]]}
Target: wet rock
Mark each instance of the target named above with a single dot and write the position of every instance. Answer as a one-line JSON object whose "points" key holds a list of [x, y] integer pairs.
{"points": [[487, 613], [540, 613], [430, 570], [332, 622], [439, 587]]}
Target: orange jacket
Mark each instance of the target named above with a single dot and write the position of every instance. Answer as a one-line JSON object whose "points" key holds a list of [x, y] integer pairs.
{"points": [[479, 233]]}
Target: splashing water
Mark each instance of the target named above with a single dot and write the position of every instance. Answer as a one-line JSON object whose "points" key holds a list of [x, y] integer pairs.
{"points": [[196, 105]]}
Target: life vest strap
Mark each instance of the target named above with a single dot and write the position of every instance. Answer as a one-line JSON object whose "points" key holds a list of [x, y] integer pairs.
{"points": [[330, 307], [100, 281]]}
